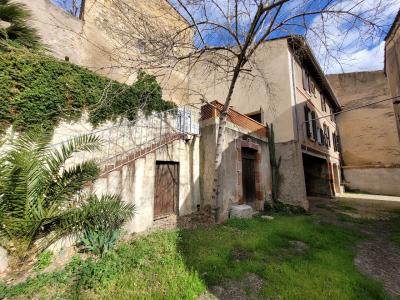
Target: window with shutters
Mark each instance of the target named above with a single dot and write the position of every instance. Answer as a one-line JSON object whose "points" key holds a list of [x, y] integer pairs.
{"points": [[321, 133], [308, 84], [319, 137], [314, 124], [334, 138], [327, 136], [306, 80], [323, 102]]}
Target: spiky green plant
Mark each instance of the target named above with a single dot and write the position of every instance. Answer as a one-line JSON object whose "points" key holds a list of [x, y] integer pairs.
{"points": [[275, 165], [41, 199], [14, 26]]}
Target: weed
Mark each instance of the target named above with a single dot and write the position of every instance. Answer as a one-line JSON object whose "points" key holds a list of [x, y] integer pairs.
{"points": [[44, 260]]}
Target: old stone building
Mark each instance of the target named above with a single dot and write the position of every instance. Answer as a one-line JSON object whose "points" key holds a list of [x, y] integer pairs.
{"points": [[162, 162], [288, 89], [99, 40], [392, 66], [368, 133]]}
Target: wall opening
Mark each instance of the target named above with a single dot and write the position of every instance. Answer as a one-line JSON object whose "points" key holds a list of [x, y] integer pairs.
{"points": [[249, 175], [316, 174], [166, 189]]}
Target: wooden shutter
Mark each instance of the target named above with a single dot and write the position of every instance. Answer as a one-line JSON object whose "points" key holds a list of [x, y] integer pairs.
{"points": [[328, 136], [321, 133], [306, 82], [314, 124], [307, 121]]}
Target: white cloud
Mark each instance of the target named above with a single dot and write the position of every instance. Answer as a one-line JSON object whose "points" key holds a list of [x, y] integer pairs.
{"points": [[341, 47]]}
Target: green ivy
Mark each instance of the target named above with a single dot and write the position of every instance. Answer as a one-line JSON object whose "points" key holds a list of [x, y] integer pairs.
{"points": [[37, 91]]}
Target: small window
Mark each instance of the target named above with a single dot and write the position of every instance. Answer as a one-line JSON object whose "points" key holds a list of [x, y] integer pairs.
{"points": [[256, 116]]}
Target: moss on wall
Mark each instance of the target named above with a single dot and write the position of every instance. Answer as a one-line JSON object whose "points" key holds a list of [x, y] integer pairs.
{"points": [[37, 91]]}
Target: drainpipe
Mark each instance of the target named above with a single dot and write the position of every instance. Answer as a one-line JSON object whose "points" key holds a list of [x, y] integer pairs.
{"points": [[294, 96]]}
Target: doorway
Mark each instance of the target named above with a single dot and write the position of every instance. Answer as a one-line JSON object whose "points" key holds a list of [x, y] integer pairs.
{"points": [[249, 174], [166, 189], [316, 175]]}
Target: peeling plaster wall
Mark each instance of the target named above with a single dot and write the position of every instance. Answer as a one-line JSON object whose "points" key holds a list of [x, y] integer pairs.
{"points": [[230, 171], [135, 182]]}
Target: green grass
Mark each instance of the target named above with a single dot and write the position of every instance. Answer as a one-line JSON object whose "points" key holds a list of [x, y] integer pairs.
{"points": [[181, 264]]}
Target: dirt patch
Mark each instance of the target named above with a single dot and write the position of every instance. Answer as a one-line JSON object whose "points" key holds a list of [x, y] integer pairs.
{"points": [[247, 288], [298, 246], [380, 259], [238, 254]]}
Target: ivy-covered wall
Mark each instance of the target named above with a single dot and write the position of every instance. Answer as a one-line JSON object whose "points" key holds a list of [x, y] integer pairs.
{"points": [[37, 91]]}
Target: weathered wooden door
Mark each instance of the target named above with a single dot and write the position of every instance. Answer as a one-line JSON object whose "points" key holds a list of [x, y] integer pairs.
{"points": [[166, 189], [249, 174]]}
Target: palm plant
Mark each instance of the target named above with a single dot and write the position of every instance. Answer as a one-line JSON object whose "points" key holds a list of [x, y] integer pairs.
{"points": [[41, 200], [17, 30]]}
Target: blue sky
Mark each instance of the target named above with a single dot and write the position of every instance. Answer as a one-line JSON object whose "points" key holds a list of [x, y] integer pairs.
{"points": [[351, 49]]}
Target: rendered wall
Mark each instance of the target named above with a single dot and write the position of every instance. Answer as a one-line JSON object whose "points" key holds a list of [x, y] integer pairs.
{"points": [[268, 88], [293, 188], [135, 182], [230, 168], [374, 180]]}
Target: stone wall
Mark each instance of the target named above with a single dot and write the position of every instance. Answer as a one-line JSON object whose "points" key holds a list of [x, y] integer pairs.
{"points": [[369, 138], [392, 66], [293, 188], [373, 180], [97, 42]]}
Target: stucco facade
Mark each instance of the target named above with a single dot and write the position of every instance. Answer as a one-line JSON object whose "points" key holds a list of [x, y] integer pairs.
{"points": [[368, 135], [275, 90], [241, 134]]}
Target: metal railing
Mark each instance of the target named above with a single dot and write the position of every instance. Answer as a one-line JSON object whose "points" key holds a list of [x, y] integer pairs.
{"points": [[130, 140]]}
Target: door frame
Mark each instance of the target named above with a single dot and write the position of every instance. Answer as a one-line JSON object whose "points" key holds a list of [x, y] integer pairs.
{"points": [[176, 205]]}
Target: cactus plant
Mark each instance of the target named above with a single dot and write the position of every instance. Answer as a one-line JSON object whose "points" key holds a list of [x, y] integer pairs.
{"points": [[275, 165]]}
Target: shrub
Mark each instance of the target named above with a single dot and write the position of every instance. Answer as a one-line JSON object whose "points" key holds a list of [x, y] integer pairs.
{"points": [[37, 90], [38, 196]]}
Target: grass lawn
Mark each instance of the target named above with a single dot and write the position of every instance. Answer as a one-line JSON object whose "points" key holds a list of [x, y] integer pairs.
{"points": [[182, 264]]}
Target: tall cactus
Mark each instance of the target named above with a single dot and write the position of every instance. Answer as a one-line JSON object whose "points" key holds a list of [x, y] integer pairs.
{"points": [[275, 165]]}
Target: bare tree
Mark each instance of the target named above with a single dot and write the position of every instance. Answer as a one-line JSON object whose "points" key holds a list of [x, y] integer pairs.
{"points": [[225, 34]]}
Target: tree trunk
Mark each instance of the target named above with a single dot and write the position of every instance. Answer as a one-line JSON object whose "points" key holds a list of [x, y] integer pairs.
{"points": [[220, 143]]}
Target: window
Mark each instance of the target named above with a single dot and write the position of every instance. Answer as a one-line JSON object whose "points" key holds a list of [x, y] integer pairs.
{"points": [[308, 84], [307, 122], [306, 80], [327, 136], [314, 124], [335, 142], [319, 136], [256, 116], [321, 133], [323, 102]]}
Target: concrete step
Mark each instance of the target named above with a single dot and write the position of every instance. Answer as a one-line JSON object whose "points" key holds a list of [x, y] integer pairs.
{"points": [[242, 211]]}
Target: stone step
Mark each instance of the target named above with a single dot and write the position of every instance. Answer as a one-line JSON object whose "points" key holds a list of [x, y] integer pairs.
{"points": [[242, 211]]}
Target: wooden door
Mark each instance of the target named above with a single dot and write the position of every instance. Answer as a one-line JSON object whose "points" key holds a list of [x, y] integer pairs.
{"points": [[249, 175], [166, 189]]}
